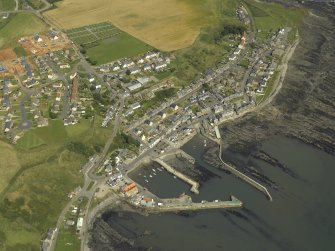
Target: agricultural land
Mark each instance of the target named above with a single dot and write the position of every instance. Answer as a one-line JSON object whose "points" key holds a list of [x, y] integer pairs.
{"points": [[168, 26]]}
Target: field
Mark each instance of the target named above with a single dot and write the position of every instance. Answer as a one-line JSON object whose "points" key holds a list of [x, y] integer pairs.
{"points": [[120, 46], [104, 42], [18, 25], [166, 25], [7, 5], [9, 164], [270, 16], [92, 33], [36, 176]]}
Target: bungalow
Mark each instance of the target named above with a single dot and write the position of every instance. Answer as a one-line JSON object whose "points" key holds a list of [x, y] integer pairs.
{"points": [[79, 224], [140, 61], [135, 106], [162, 115], [127, 63], [232, 58], [134, 85], [147, 67], [160, 66], [91, 78], [8, 125], [64, 66], [143, 80], [260, 90], [115, 67], [237, 51], [151, 54], [175, 107], [148, 122], [134, 70]]}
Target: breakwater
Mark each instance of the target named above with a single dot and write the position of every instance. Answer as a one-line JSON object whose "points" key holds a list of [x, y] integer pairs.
{"points": [[244, 177], [170, 169]]}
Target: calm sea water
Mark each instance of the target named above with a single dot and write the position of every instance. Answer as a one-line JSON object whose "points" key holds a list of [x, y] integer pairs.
{"points": [[301, 217]]}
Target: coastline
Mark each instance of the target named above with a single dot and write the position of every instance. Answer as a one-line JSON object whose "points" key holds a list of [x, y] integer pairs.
{"points": [[276, 90]]}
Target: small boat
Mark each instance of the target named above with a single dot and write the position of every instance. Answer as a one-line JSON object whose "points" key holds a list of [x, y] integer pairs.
{"points": [[146, 181], [154, 173], [144, 176], [159, 169], [150, 176], [154, 169], [174, 177]]}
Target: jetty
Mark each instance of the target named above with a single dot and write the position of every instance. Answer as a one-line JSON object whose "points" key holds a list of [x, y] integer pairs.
{"points": [[195, 185], [173, 205], [244, 177]]}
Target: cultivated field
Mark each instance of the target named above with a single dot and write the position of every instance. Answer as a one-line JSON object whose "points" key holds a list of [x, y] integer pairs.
{"points": [[166, 25]]}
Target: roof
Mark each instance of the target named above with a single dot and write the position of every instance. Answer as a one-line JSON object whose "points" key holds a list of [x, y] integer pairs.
{"points": [[129, 187]]}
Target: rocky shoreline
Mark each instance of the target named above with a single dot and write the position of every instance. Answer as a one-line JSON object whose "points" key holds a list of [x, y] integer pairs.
{"points": [[304, 107]]}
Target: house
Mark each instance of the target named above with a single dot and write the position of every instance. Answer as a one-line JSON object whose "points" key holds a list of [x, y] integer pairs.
{"points": [[91, 78], [130, 189], [151, 54], [135, 106], [232, 58], [115, 67], [140, 61], [160, 66], [260, 90], [174, 107], [64, 66], [134, 85], [134, 70], [218, 109], [147, 67], [148, 122], [127, 63], [162, 115], [237, 51], [143, 80], [80, 224], [147, 202], [8, 125]]}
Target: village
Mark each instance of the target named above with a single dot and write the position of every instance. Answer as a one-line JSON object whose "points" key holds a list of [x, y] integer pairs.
{"points": [[47, 78]]}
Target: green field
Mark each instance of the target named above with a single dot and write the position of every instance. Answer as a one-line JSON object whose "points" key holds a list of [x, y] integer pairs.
{"points": [[30, 140], [18, 25], [269, 17], [9, 164], [36, 176], [117, 47], [7, 5]]}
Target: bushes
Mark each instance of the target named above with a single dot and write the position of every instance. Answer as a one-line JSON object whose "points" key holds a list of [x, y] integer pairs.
{"points": [[78, 147]]}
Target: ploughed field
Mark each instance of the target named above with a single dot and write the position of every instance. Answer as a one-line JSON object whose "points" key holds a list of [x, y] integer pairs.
{"points": [[166, 25]]}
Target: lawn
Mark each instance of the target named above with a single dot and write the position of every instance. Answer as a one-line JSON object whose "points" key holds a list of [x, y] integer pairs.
{"points": [[117, 47], [77, 130], [7, 5], [30, 140], [68, 240], [55, 132], [21, 24]]}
